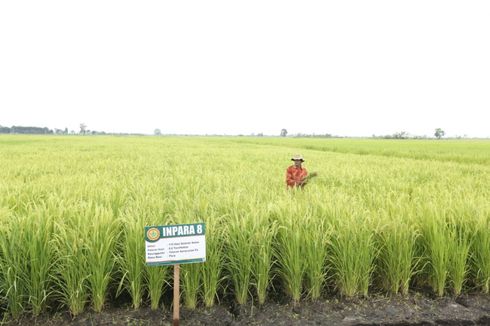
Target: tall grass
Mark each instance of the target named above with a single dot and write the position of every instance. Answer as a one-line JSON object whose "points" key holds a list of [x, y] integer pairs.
{"points": [[212, 269], [264, 233], [72, 212], [191, 282], [437, 247], [480, 251], [240, 252], [289, 252], [316, 235], [397, 261], [13, 263], [352, 254], [460, 237], [189, 209], [147, 210], [72, 261], [131, 258], [40, 256], [102, 239], [156, 278]]}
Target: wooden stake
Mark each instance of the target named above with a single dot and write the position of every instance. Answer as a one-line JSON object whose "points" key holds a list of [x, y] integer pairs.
{"points": [[176, 315]]}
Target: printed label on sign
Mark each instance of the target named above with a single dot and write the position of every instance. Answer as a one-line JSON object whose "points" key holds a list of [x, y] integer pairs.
{"points": [[175, 244]]}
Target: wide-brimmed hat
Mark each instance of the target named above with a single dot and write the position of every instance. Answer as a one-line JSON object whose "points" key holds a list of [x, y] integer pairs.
{"points": [[297, 157]]}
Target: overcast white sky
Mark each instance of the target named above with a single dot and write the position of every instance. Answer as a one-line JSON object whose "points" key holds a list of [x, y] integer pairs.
{"points": [[231, 67]]}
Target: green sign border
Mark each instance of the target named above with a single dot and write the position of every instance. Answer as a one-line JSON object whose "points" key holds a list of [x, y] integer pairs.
{"points": [[175, 262], [160, 228]]}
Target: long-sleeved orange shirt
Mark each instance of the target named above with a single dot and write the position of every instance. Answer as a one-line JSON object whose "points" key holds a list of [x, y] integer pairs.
{"points": [[295, 175]]}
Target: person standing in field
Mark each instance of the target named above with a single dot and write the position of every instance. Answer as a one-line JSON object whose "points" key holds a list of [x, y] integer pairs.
{"points": [[296, 175]]}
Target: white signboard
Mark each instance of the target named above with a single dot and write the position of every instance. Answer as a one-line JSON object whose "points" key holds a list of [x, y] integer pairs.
{"points": [[175, 244]]}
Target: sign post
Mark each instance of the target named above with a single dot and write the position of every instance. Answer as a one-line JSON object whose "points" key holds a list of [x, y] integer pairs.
{"points": [[175, 245], [176, 315]]}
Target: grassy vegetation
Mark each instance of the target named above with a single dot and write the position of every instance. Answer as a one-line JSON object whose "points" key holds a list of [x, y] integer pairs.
{"points": [[382, 216], [472, 151]]}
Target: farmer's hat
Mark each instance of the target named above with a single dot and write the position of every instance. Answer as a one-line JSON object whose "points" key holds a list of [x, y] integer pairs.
{"points": [[297, 157]]}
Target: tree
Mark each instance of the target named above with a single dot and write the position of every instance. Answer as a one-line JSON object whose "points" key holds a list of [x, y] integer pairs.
{"points": [[439, 133], [4, 130], [284, 132], [400, 135], [157, 132], [30, 130], [83, 128]]}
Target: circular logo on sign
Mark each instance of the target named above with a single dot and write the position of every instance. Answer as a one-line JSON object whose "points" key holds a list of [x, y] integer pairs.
{"points": [[153, 234]]}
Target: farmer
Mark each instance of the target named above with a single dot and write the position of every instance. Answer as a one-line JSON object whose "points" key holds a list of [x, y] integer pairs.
{"points": [[296, 175]]}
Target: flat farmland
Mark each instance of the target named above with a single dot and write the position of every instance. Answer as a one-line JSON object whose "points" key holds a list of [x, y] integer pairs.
{"points": [[383, 217]]}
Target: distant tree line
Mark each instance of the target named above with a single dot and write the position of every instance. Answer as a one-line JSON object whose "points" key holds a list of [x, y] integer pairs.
{"points": [[47, 131], [284, 133], [25, 130], [439, 133], [4, 130], [314, 135], [396, 135]]}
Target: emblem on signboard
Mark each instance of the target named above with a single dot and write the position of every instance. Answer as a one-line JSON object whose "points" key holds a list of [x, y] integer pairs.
{"points": [[153, 234]]}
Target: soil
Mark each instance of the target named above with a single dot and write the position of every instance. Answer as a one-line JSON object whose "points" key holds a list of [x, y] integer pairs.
{"points": [[415, 309]]}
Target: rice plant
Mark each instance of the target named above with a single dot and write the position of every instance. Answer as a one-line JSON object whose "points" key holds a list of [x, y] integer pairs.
{"points": [[381, 215], [264, 233], [71, 275], [156, 278], [131, 258], [190, 275], [212, 270], [40, 257], [100, 244], [352, 254], [290, 254], [437, 248], [397, 261], [240, 252], [459, 238], [13, 263], [480, 251], [316, 235]]}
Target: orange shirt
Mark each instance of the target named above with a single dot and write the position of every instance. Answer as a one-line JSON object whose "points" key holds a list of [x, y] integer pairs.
{"points": [[294, 175]]}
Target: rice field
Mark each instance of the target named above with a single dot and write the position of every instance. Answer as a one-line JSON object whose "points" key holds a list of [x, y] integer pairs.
{"points": [[382, 217]]}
